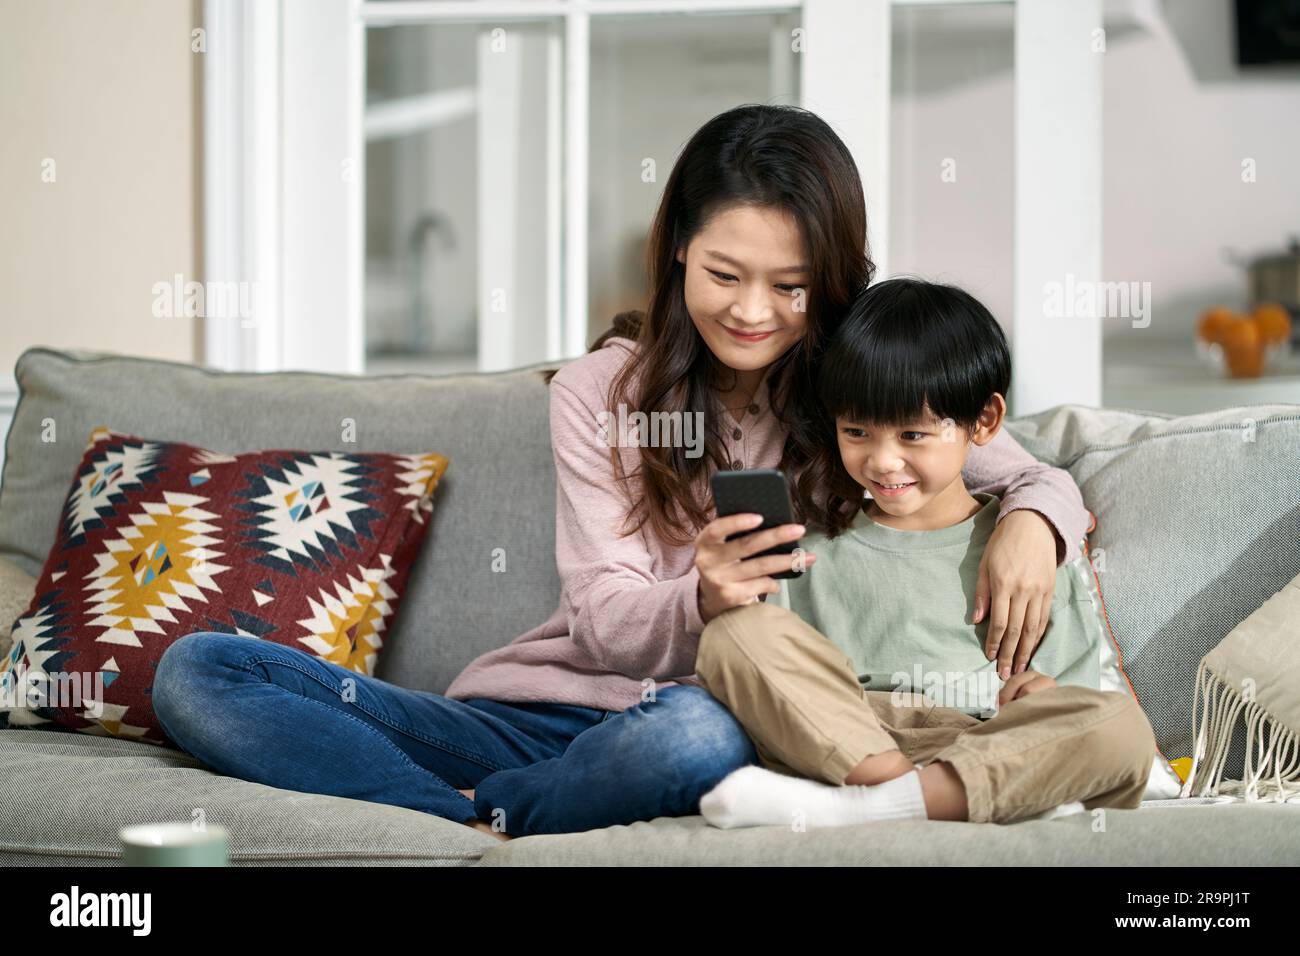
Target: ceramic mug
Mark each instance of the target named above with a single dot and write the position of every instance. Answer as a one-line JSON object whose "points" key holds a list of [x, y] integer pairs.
{"points": [[175, 844]]}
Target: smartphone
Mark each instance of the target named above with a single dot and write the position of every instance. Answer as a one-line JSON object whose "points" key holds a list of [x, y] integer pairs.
{"points": [[762, 491]]}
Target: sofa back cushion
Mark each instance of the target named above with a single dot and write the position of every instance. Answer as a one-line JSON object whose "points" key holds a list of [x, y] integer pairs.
{"points": [[1198, 523], [498, 491]]}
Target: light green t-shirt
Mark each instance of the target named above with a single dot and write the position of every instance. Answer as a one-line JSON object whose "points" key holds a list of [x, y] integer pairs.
{"points": [[898, 603]]}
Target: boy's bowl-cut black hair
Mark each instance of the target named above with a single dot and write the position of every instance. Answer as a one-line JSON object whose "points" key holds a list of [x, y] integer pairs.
{"points": [[908, 345]]}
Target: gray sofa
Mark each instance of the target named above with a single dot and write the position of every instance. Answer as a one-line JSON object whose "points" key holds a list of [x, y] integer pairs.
{"points": [[1199, 519]]}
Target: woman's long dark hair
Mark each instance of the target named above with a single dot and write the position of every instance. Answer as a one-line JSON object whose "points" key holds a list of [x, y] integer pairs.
{"points": [[773, 156]]}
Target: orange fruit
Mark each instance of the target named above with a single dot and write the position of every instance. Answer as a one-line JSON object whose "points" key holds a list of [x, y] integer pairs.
{"points": [[1240, 334], [1243, 348], [1274, 323], [1245, 364], [1213, 322]]}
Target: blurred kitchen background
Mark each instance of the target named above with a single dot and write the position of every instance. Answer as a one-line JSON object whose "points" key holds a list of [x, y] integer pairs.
{"points": [[439, 186]]}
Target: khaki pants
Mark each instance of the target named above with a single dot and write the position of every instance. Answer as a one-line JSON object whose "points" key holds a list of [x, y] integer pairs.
{"points": [[799, 699]]}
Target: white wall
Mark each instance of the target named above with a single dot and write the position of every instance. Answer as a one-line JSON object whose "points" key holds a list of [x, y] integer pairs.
{"points": [[109, 91]]}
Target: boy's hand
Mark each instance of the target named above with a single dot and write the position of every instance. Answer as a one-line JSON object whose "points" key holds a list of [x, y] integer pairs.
{"points": [[1014, 588], [1022, 685]]}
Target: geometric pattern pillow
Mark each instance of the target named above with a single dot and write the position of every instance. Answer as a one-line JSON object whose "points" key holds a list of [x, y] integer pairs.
{"points": [[160, 539]]}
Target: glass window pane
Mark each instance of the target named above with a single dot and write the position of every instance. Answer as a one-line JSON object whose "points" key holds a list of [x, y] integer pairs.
{"points": [[453, 228], [1200, 211], [654, 81]]}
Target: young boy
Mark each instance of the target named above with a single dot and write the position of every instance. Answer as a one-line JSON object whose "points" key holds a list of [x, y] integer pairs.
{"points": [[915, 722]]}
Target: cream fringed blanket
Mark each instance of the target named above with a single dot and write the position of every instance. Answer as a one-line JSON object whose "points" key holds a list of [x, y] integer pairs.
{"points": [[1254, 675]]}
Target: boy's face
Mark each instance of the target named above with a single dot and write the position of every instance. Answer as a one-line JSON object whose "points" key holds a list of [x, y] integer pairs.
{"points": [[926, 456]]}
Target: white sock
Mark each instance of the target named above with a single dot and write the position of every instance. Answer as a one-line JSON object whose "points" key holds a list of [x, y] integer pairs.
{"points": [[1062, 810], [755, 796]]}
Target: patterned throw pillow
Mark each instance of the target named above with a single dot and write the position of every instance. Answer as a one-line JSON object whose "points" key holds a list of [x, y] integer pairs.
{"points": [[159, 539]]}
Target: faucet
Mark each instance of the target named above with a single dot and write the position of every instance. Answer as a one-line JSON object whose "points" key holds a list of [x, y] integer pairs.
{"points": [[418, 339]]}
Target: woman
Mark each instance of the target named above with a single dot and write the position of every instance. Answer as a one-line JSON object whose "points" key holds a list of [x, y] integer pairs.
{"points": [[757, 248]]}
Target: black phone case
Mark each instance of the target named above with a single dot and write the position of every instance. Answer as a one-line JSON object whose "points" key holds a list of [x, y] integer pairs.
{"points": [[761, 491]]}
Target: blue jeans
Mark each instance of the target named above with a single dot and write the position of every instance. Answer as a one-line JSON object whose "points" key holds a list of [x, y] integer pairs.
{"points": [[284, 717]]}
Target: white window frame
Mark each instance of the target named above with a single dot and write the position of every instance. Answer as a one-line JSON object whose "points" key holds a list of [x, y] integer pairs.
{"points": [[279, 211]]}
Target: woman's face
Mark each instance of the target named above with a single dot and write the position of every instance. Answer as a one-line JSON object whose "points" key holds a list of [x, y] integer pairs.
{"points": [[746, 287]]}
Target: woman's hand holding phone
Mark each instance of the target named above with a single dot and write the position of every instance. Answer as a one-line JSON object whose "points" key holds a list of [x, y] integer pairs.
{"points": [[727, 579]]}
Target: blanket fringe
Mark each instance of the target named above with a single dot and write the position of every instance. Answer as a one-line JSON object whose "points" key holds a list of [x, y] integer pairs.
{"points": [[1271, 772]]}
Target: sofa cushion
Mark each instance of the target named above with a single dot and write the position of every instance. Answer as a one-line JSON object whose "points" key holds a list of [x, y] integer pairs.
{"points": [[498, 496], [1175, 835], [67, 795], [1198, 519], [1163, 782], [16, 590], [159, 539]]}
